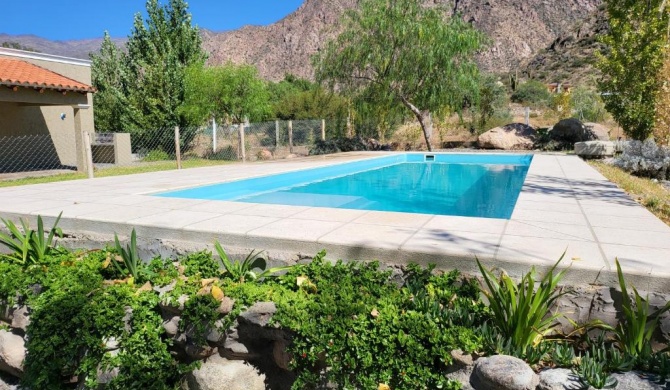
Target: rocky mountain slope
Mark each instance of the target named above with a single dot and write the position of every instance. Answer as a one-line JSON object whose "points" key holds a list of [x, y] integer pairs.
{"points": [[571, 57], [519, 29], [73, 48]]}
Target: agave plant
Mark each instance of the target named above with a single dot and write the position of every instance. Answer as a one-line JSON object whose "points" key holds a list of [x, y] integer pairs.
{"points": [[29, 246], [128, 260], [636, 331], [520, 311], [253, 267]]}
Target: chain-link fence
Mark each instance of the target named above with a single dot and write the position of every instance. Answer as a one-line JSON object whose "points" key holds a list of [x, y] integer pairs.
{"points": [[198, 146], [37, 152]]}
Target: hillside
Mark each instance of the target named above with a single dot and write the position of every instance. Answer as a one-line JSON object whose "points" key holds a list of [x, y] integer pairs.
{"points": [[519, 30], [571, 57], [73, 48]]}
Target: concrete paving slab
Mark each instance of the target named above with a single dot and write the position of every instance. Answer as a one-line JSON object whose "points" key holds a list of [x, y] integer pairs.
{"points": [[122, 214], [328, 214], [438, 241], [372, 236], [296, 229], [466, 224], [393, 219], [270, 210], [543, 229], [173, 219], [231, 224], [557, 216]]}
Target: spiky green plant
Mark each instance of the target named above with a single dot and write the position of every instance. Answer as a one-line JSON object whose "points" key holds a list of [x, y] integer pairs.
{"points": [[636, 330], [128, 261], [592, 372], [253, 267], [520, 311], [28, 246]]}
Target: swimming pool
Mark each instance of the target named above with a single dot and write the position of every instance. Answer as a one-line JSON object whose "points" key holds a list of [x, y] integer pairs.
{"points": [[472, 185]]}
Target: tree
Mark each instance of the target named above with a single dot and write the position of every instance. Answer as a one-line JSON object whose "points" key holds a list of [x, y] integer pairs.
{"points": [[109, 78], [492, 104], [158, 55], [406, 52], [142, 90], [631, 62], [228, 93], [662, 122]]}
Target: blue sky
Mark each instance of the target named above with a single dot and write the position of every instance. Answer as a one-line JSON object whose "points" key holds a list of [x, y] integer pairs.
{"points": [[70, 19]]}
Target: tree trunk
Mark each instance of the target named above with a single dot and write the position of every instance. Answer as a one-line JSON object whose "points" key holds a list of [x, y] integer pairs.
{"points": [[424, 119]]}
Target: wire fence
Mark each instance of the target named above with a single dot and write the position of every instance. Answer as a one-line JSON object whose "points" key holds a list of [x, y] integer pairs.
{"points": [[210, 145]]}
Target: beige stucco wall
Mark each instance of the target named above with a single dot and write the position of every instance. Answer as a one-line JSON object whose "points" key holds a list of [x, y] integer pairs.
{"points": [[29, 112]]}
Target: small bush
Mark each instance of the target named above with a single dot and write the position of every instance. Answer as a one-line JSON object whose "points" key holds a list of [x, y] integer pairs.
{"points": [[338, 145], [533, 93], [156, 155], [227, 153], [587, 105]]}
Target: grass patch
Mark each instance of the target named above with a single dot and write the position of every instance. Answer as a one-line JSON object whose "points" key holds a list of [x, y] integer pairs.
{"points": [[116, 171], [644, 191]]}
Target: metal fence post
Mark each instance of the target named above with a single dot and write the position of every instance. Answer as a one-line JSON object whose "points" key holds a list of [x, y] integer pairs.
{"points": [[323, 129], [242, 143], [177, 147], [276, 133], [89, 154], [527, 112], [213, 135], [290, 137]]}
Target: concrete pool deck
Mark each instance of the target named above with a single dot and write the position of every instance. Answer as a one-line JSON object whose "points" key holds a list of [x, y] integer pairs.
{"points": [[564, 205]]}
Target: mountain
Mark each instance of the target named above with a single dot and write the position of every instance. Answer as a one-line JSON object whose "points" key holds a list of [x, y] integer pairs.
{"points": [[73, 48], [570, 58], [519, 30]]}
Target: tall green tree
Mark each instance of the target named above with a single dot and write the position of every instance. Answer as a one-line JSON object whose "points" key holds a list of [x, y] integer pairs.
{"points": [[110, 79], [631, 61], [406, 52], [229, 93], [159, 51]]}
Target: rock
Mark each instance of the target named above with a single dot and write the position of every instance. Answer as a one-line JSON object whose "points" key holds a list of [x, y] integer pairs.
{"points": [[264, 154], [173, 308], [292, 155], [558, 379], [260, 313], [601, 132], [462, 375], [637, 381], [21, 318], [199, 352], [503, 372], [233, 348], [595, 149], [8, 383], [5, 312], [162, 290], [12, 353], [280, 354], [218, 373], [215, 335], [571, 130], [461, 358], [508, 137], [171, 325], [104, 376], [226, 306]]}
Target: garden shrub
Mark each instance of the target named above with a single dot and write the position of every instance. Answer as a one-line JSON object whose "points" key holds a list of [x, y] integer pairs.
{"points": [[533, 93], [358, 320], [156, 155]]}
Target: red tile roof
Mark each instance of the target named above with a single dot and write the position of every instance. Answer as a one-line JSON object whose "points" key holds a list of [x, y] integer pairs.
{"points": [[24, 74]]}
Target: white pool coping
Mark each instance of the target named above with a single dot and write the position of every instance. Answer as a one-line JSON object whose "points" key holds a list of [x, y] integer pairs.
{"points": [[564, 205]]}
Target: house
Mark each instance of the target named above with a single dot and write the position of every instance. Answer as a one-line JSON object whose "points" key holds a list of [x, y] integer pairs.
{"points": [[46, 103]]}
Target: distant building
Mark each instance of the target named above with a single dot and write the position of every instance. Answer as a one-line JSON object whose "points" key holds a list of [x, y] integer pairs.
{"points": [[45, 105], [559, 87]]}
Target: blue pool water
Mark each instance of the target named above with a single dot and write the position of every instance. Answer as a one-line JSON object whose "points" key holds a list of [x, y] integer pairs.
{"points": [[473, 185]]}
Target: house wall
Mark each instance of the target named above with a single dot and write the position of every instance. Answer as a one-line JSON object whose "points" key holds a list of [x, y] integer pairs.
{"points": [[37, 116]]}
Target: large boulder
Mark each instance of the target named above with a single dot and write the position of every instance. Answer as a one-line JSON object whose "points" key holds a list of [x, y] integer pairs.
{"points": [[595, 149], [601, 132], [571, 130], [558, 379], [509, 137], [503, 372], [12, 353], [218, 373]]}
